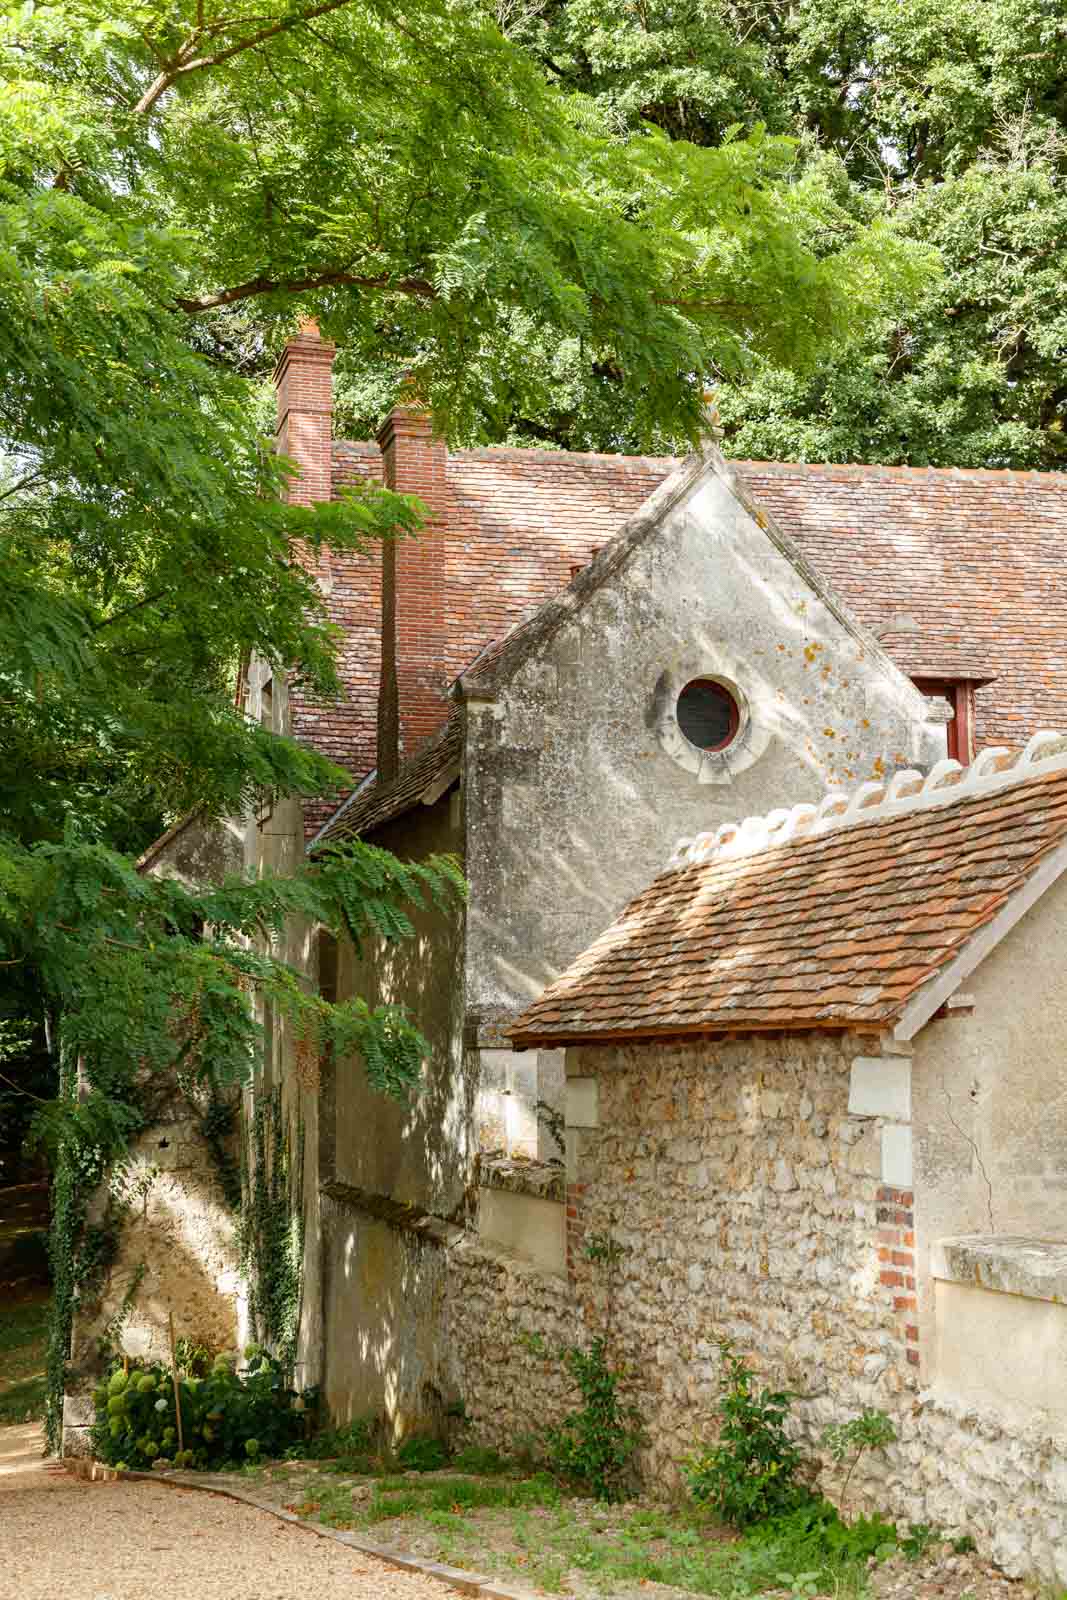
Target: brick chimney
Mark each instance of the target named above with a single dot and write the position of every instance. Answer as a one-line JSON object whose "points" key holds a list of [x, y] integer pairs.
{"points": [[411, 702], [303, 382]]}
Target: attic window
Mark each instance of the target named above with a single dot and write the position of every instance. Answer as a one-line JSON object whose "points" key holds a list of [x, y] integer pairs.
{"points": [[708, 714], [959, 694]]}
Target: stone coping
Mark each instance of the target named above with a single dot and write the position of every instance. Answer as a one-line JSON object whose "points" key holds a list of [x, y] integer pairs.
{"points": [[545, 1180], [1006, 1263], [470, 1583]]}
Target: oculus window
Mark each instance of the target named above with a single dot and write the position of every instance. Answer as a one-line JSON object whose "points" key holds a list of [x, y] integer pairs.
{"points": [[708, 714]]}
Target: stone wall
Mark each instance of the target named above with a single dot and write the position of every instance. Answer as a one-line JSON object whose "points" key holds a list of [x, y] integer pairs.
{"points": [[749, 1201], [1004, 1483], [746, 1201], [504, 1320], [177, 1255]]}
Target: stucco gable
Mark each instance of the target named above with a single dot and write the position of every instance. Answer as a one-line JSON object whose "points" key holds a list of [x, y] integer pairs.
{"points": [[496, 665]]}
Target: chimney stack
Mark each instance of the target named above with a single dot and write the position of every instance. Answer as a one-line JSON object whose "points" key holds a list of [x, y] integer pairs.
{"points": [[303, 382], [411, 703]]}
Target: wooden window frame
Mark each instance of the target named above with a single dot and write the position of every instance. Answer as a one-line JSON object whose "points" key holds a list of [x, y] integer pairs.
{"points": [[959, 692]]}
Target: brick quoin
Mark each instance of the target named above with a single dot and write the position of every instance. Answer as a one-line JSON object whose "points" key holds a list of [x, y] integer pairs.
{"points": [[575, 1228], [896, 1256]]}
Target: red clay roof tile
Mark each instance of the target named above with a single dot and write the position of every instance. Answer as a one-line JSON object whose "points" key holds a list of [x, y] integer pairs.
{"points": [[956, 571], [839, 926]]}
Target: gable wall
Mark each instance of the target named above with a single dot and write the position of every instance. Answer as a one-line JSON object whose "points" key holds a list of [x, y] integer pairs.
{"points": [[574, 797], [989, 1092]]}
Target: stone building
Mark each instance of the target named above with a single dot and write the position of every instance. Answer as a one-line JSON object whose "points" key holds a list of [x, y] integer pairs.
{"points": [[815, 1095], [592, 653]]}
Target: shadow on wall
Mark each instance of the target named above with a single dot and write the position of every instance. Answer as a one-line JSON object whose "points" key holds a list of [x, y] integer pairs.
{"points": [[388, 1170], [575, 793], [384, 1323]]}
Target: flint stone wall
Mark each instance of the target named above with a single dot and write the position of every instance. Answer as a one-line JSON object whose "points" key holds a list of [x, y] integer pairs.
{"points": [[748, 1202], [504, 1320], [745, 1199]]}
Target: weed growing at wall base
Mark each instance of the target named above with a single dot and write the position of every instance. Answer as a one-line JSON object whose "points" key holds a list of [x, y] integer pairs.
{"points": [[750, 1474], [594, 1445]]}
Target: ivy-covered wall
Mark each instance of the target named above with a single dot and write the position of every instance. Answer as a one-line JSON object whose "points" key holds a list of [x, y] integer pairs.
{"points": [[176, 1252]]}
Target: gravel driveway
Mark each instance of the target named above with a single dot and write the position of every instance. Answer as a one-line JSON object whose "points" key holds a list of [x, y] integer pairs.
{"points": [[138, 1541]]}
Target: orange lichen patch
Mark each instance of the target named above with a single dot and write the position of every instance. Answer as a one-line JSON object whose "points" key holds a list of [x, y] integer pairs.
{"points": [[836, 929]]}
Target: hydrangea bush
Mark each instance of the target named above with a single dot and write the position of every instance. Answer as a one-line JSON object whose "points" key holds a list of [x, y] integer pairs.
{"points": [[225, 1417]]}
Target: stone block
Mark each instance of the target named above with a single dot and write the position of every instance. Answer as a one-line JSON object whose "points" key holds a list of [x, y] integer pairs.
{"points": [[896, 1156], [582, 1103], [880, 1088]]}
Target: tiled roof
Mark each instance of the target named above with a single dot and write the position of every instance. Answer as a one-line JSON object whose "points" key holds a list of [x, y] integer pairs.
{"points": [[421, 775], [956, 572], [518, 522], [829, 917]]}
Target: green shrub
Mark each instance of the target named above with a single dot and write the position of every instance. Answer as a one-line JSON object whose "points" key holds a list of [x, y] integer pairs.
{"points": [[750, 1473], [595, 1445], [815, 1533], [481, 1460], [422, 1453], [849, 1441], [222, 1416], [350, 1439]]}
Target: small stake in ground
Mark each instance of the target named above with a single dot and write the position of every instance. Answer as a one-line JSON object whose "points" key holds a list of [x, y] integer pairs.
{"points": [[174, 1376]]}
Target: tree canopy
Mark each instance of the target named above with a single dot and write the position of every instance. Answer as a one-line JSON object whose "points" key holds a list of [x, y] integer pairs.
{"points": [[180, 182], [439, 200], [948, 122]]}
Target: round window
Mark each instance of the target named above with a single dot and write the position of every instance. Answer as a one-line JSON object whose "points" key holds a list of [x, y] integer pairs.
{"points": [[708, 714]]}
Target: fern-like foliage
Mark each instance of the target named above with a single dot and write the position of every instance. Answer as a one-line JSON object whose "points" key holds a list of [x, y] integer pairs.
{"points": [[138, 994]]}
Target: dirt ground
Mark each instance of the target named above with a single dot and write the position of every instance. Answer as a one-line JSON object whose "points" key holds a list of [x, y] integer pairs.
{"points": [[132, 1540]]}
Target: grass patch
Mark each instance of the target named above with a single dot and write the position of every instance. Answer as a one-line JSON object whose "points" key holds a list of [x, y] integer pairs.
{"points": [[404, 1497], [524, 1526], [526, 1529], [23, 1334]]}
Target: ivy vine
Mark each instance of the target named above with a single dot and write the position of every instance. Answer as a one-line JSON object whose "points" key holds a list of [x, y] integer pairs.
{"points": [[89, 1138], [270, 1228], [90, 1141]]}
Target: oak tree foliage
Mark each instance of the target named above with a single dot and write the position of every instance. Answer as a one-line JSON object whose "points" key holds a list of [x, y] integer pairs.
{"points": [[946, 122]]}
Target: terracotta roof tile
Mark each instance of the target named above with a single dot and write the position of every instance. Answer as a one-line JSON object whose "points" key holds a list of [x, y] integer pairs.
{"points": [[369, 808], [957, 572], [837, 925]]}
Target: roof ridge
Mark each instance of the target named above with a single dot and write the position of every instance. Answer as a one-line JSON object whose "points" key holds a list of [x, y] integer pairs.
{"points": [[907, 791], [904, 469]]}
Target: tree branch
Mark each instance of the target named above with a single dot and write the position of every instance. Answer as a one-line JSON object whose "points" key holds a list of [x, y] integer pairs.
{"points": [[183, 64], [148, 600], [417, 288], [23, 483]]}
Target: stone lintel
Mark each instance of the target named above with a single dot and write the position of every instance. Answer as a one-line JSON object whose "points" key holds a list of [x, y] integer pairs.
{"points": [[1005, 1263], [542, 1179]]}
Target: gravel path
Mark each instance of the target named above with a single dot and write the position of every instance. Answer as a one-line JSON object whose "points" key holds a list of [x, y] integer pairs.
{"points": [[62, 1536]]}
